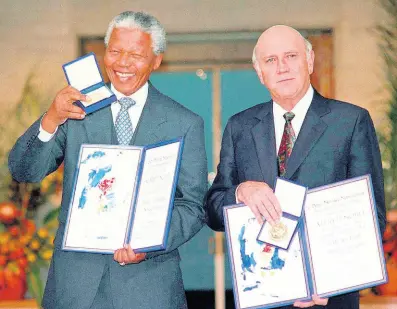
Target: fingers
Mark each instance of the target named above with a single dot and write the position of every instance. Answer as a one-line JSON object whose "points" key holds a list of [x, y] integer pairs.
{"points": [[127, 256], [257, 213], [118, 256], [315, 301], [303, 304], [71, 94], [63, 107], [270, 211], [75, 112], [262, 210], [320, 301], [122, 256], [66, 103], [131, 256], [276, 205], [259, 197]]}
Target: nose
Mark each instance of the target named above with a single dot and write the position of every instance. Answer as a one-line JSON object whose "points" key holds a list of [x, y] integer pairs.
{"points": [[282, 66], [124, 59]]}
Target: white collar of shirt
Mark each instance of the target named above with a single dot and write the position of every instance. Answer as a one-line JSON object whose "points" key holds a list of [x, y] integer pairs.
{"points": [[140, 97], [299, 110]]}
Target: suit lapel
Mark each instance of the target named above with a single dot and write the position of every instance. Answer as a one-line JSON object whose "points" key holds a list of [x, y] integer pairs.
{"points": [[152, 118], [98, 126], [265, 143], [312, 128]]}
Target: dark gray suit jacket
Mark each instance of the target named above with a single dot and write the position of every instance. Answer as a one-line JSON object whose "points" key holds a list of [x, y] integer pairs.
{"points": [[156, 282], [337, 141]]}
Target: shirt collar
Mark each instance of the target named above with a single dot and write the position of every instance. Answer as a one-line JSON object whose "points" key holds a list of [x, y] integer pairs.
{"points": [[300, 109], [138, 96]]}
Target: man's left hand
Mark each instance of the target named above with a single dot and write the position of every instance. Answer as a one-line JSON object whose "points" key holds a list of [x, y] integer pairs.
{"points": [[315, 301], [127, 256]]}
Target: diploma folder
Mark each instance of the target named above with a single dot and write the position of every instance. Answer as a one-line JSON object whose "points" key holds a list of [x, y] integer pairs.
{"points": [[123, 195], [83, 74], [337, 249]]}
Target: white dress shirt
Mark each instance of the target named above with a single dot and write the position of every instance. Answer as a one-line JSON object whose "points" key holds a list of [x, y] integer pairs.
{"points": [[134, 111], [299, 110]]}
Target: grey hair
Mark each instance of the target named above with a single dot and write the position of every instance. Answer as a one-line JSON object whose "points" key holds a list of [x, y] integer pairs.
{"points": [[308, 46], [142, 21]]}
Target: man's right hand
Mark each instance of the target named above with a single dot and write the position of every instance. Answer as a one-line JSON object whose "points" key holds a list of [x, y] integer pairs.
{"points": [[62, 108], [259, 197]]}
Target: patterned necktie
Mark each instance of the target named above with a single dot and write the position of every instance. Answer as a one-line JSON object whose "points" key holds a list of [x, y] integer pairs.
{"points": [[123, 125], [287, 143]]}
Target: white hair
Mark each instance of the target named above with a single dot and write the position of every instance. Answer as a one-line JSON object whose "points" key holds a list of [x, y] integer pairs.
{"points": [[308, 46], [144, 22]]}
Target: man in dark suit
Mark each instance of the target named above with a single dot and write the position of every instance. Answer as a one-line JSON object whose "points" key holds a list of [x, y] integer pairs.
{"points": [[135, 43], [299, 135]]}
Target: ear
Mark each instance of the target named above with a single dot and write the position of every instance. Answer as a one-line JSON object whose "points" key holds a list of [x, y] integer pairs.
{"points": [[310, 62], [157, 61], [258, 71]]}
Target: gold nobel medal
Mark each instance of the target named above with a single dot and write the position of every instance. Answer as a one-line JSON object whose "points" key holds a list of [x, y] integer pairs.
{"points": [[278, 231]]}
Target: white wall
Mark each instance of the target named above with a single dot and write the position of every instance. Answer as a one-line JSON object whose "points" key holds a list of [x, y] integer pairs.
{"points": [[42, 35]]}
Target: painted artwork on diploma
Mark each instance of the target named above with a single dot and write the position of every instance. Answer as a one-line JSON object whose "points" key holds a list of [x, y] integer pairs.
{"points": [[103, 197], [263, 274], [99, 184]]}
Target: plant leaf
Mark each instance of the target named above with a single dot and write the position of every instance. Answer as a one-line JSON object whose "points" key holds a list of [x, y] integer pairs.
{"points": [[51, 216], [35, 285]]}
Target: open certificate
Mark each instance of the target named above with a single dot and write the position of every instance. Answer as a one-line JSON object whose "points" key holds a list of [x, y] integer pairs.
{"points": [[336, 250], [123, 195], [343, 238]]}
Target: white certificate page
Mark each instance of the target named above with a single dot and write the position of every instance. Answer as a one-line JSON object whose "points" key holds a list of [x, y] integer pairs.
{"points": [[341, 227], [101, 205], [154, 202], [263, 275]]}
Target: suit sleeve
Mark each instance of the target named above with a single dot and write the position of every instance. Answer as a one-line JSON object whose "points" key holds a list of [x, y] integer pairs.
{"points": [[30, 160], [365, 159], [222, 191], [188, 214]]}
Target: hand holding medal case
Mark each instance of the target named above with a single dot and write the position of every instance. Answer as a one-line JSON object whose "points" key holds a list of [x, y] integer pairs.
{"points": [[83, 74], [291, 197]]}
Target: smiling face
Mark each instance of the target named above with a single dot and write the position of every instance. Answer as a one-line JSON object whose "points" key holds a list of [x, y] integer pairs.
{"points": [[129, 59], [283, 66]]}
